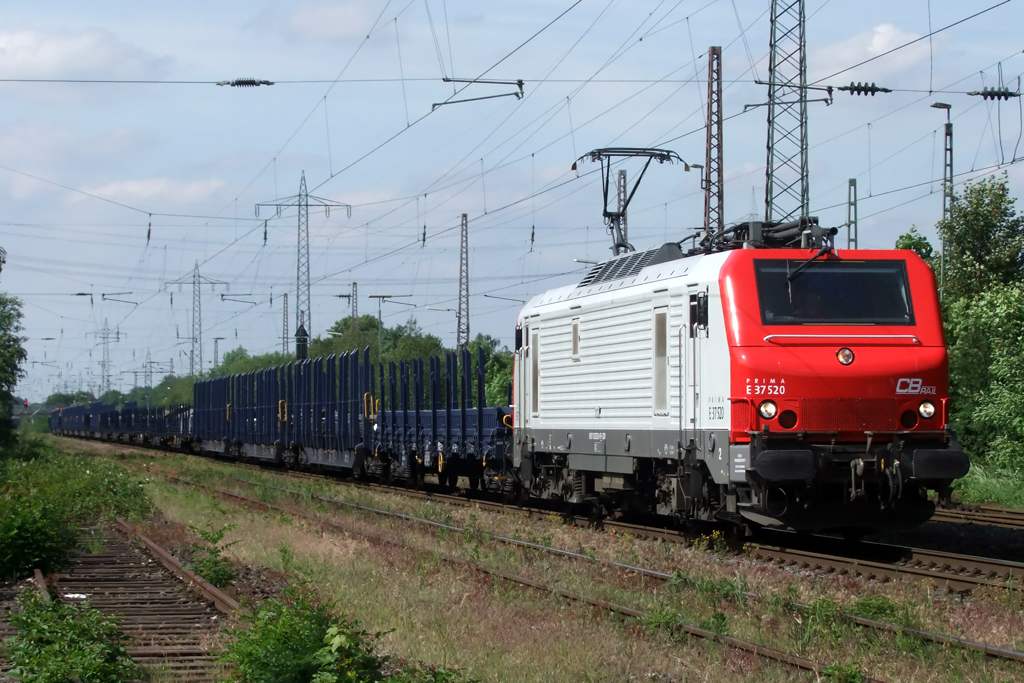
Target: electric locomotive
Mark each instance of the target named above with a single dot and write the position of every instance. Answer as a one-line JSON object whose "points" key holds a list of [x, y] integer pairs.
{"points": [[762, 378]]}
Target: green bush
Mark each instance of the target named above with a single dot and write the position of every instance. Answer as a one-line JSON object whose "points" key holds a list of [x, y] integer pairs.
{"points": [[210, 565], [45, 494], [34, 534], [282, 640], [296, 640], [58, 643]]}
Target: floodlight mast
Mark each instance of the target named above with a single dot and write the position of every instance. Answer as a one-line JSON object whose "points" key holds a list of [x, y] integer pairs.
{"points": [[616, 219]]}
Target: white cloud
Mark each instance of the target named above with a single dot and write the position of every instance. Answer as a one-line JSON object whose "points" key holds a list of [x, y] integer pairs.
{"points": [[329, 21], [866, 45], [163, 189], [91, 53]]}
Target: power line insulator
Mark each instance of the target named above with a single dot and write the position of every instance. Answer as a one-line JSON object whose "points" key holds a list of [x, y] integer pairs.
{"points": [[245, 83], [859, 88], [994, 93]]}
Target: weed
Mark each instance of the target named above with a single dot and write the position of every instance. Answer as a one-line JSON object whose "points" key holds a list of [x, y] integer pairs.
{"points": [[210, 565], [57, 643], [287, 559], [877, 607], [819, 621], [717, 622], [844, 673]]}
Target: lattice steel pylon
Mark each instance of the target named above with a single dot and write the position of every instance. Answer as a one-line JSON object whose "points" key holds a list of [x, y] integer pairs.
{"points": [[105, 336], [284, 332], [197, 323], [786, 191], [714, 188], [302, 202], [195, 359], [947, 199], [462, 316], [852, 235], [302, 312], [355, 301]]}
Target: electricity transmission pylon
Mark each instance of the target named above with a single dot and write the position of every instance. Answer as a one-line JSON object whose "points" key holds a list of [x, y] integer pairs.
{"points": [[786, 193], [302, 202], [195, 360], [462, 316]]}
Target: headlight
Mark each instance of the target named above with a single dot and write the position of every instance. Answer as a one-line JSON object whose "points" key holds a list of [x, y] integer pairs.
{"points": [[845, 356], [768, 409], [926, 409]]}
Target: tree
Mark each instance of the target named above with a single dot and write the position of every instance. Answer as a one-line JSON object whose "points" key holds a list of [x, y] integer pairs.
{"points": [[983, 313], [12, 357], [915, 242], [238, 360], [984, 239], [64, 399]]}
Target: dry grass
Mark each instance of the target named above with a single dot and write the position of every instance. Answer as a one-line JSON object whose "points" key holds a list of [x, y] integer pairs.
{"points": [[449, 616]]}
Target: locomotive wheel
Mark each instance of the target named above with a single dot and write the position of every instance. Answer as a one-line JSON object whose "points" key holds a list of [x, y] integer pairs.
{"points": [[474, 483]]}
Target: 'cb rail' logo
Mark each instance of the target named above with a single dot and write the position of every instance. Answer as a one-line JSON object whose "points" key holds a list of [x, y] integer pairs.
{"points": [[912, 385]]}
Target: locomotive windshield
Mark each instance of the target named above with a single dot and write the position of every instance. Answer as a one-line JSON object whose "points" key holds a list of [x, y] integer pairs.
{"points": [[833, 292]]}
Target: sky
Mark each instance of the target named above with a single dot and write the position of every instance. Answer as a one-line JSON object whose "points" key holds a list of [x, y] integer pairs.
{"points": [[123, 164]]}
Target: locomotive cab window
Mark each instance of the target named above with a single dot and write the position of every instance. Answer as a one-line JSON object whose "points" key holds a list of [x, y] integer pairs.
{"points": [[833, 292]]}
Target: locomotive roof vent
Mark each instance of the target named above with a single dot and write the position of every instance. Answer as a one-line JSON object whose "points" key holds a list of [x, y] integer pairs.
{"points": [[630, 264]]}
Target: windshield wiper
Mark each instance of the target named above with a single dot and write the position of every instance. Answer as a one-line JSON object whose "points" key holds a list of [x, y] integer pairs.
{"points": [[821, 252]]}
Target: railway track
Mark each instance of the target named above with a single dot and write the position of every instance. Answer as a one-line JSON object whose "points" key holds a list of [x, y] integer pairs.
{"points": [[981, 514], [958, 572], [171, 615], [873, 561]]}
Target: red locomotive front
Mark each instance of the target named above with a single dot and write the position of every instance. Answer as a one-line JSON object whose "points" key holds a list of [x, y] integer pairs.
{"points": [[840, 386]]}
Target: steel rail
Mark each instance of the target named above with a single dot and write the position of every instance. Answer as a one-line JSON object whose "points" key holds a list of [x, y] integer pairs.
{"points": [[982, 514], [753, 648], [223, 602]]}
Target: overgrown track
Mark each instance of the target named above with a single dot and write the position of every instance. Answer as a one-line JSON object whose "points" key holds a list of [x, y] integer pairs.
{"points": [[8, 592], [955, 571], [878, 561], [982, 514], [786, 658]]}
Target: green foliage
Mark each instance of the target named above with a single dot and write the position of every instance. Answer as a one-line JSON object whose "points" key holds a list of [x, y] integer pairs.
{"points": [[716, 622], [878, 608], [211, 565], [45, 494], [404, 341], [844, 673], [58, 643], [64, 398], [984, 240], [347, 655], [915, 242], [819, 621], [12, 357], [239, 360], [282, 640], [983, 309], [34, 534], [296, 640]]}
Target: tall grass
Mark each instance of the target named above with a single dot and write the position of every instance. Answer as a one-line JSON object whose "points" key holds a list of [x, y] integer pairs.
{"points": [[986, 483]]}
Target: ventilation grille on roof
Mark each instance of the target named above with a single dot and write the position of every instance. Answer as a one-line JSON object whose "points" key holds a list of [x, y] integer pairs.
{"points": [[618, 268]]}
